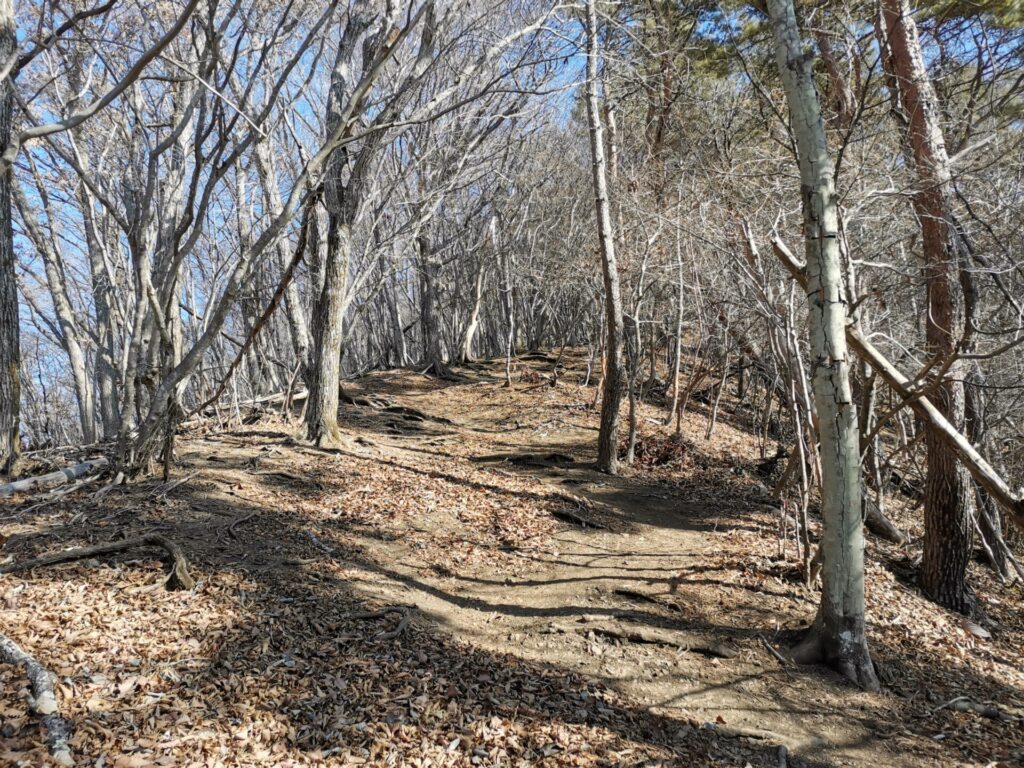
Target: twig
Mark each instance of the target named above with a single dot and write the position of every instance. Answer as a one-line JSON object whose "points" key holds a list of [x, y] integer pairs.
{"points": [[162, 490], [44, 702], [771, 648]]}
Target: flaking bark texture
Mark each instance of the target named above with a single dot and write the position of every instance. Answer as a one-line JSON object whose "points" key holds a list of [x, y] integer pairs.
{"points": [[44, 701], [837, 636], [948, 502]]}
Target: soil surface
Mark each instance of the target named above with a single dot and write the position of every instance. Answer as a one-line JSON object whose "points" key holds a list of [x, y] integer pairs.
{"points": [[456, 585]]}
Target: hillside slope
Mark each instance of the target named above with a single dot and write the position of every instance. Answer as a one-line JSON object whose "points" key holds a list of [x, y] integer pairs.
{"points": [[459, 587]]}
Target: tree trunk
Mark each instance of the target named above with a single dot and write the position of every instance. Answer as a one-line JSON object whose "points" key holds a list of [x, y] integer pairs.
{"points": [[474, 318], [325, 377], [837, 636], [391, 290], [434, 358], [341, 202], [948, 502], [293, 306], [614, 377], [10, 354]]}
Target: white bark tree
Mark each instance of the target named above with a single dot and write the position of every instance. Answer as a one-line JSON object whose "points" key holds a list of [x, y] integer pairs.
{"points": [[614, 364], [837, 636]]}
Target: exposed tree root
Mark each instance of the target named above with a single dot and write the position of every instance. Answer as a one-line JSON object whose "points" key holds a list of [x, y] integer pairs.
{"points": [[413, 414], [656, 637], [844, 653], [571, 517], [404, 611], [179, 577], [964, 704], [645, 597], [44, 702], [363, 401], [882, 526], [553, 459]]}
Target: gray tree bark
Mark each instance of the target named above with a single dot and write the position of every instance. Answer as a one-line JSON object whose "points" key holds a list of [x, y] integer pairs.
{"points": [[614, 375], [10, 352], [837, 636]]}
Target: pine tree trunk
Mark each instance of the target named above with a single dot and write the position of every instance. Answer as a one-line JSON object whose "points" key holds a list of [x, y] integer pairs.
{"points": [[837, 636], [614, 377], [948, 501], [10, 353]]}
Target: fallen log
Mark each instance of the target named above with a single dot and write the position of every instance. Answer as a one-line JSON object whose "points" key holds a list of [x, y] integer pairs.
{"points": [[43, 702], [178, 578], [980, 469], [53, 479]]}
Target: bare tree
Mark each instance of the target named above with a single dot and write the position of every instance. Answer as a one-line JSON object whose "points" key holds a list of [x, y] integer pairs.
{"points": [[614, 374], [838, 635]]}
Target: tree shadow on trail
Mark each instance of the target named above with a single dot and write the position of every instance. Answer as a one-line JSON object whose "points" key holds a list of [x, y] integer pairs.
{"points": [[288, 673], [297, 673]]}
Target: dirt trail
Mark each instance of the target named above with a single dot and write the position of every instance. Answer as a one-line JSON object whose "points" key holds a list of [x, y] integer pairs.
{"points": [[649, 574], [645, 642]]}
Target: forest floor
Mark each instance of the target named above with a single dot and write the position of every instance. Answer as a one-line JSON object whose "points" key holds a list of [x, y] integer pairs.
{"points": [[428, 596]]}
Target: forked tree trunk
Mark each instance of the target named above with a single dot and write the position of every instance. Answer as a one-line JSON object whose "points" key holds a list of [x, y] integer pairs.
{"points": [[837, 636], [948, 502], [614, 376], [10, 355], [341, 203]]}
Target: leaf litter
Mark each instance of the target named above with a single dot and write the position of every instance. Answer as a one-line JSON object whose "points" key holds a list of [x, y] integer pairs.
{"points": [[285, 655]]}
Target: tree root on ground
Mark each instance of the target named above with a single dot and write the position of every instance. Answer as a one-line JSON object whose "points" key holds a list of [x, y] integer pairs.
{"points": [[553, 459], [179, 577], [405, 611], [43, 702], [964, 704], [645, 597], [567, 516], [843, 654], [655, 637]]}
